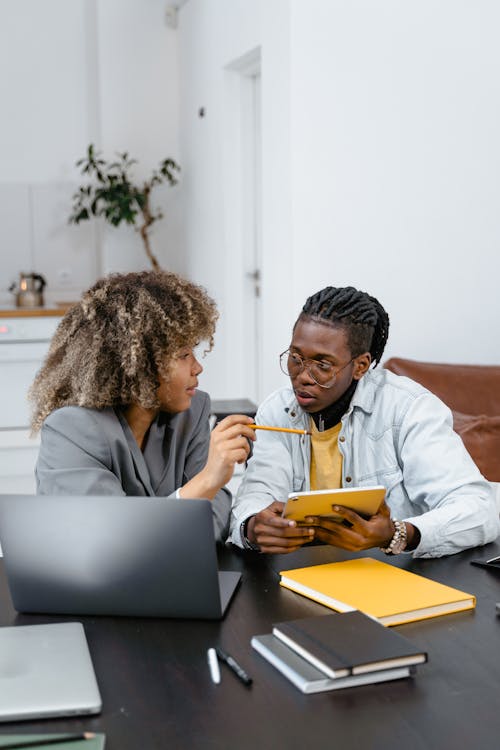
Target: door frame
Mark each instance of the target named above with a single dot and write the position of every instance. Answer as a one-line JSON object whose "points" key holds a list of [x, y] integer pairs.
{"points": [[243, 218]]}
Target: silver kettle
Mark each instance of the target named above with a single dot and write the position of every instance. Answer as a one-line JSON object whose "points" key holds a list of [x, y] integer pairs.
{"points": [[29, 290]]}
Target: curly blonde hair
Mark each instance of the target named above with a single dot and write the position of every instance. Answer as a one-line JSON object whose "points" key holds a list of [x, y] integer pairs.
{"points": [[112, 346]]}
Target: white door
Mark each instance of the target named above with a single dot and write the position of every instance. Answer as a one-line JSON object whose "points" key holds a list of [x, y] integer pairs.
{"points": [[244, 212], [252, 259]]}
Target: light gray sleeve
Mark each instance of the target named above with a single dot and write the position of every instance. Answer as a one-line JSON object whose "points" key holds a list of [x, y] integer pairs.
{"points": [[457, 503], [269, 475], [75, 457]]}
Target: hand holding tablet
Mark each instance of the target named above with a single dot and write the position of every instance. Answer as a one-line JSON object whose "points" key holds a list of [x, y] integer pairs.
{"points": [[363, 500]]}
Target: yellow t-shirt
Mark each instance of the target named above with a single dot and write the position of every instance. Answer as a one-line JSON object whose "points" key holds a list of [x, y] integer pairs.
{"points": [[326, 459]]}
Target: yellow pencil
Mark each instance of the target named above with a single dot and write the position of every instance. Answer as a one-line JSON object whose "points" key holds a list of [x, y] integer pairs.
{"points": [[279, 429]]}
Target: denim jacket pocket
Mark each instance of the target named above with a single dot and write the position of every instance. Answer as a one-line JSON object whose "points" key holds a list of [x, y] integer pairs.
{"points": [[389, 478]]}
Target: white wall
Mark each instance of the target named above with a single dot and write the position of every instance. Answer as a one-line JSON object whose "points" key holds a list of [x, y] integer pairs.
{"points": [[395, 153], [139, 112], [71, 73], [214, 37], [380, 150], [380, 124]]}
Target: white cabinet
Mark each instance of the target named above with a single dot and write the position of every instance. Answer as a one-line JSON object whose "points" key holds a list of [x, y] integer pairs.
{"points": [[24, 342], [18, 454]]}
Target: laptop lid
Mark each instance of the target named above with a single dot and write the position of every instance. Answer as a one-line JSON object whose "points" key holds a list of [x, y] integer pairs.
{"points": [[136, 556], [46, 670]]}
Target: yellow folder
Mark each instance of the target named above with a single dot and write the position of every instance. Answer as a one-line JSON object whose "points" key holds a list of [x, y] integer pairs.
{"points": [[392, 595]]}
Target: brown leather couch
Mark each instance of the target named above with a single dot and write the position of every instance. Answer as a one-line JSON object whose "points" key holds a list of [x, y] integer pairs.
{"points": [[473, 394]]}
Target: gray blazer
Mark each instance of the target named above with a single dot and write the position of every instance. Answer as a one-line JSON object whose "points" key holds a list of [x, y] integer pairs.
{"points": [[93, 452]]}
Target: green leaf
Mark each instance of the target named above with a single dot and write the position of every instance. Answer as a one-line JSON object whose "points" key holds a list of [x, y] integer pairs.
{"points": [[112, 192]]}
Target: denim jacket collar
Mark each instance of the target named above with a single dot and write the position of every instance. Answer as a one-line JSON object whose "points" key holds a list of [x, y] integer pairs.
{"points": [[364, 397]]}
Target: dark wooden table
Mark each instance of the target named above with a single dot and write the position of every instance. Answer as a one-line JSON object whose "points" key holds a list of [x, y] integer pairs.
{"points": [[157, 692]]}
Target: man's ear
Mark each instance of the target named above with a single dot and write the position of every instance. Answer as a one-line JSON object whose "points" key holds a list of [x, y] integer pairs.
{"points": [[361, 365]]}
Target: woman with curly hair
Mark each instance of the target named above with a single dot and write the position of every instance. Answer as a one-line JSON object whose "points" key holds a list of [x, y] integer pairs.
{"points": [[117, 401]]}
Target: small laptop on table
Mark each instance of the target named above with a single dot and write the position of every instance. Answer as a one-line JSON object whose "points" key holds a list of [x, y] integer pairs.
{"points": [[46, 670], [134, 556]]}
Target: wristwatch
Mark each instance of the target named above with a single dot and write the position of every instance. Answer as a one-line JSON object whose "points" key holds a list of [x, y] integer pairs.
{"points": [[247, 544], [399, 540]]}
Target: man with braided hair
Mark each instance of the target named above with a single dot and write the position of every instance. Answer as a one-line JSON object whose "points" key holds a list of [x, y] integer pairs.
{"points": [[368, 427]]}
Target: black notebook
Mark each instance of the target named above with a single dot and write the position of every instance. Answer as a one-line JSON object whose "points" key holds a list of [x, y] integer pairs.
{"points": [[349, 643], [307, 678]]}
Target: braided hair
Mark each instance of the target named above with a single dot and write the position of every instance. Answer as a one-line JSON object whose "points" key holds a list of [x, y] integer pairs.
{"points": [[365, 321]]}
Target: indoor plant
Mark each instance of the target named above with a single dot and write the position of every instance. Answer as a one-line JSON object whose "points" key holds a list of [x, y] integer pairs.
{"points": [[113, 194]]}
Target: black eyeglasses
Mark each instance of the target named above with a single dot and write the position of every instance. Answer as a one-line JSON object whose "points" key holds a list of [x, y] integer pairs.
{"points": [[323, 373]]}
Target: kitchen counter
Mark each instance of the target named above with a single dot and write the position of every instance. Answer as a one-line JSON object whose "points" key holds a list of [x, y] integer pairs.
{"points": [[58, 309]]}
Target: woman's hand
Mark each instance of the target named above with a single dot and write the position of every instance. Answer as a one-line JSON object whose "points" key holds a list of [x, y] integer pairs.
{"points": [[356, 533], [229, 445], [273, 533]]}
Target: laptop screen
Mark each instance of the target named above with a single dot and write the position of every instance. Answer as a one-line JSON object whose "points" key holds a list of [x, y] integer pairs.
{"points": [[136, 556]]}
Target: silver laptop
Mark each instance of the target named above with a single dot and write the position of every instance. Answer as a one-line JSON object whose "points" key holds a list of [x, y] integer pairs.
{"points": [[136, 556], [46, 670]]}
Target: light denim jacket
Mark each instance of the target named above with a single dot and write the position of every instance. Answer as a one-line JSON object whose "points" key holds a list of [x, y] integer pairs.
{"points": [[395, 433]]}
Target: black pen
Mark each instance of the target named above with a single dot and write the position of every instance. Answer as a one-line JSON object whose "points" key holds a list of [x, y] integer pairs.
{"points": [[234, 667]]}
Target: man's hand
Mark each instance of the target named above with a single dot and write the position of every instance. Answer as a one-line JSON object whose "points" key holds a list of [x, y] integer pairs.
{"points": [[354, 532], [276, 534]]}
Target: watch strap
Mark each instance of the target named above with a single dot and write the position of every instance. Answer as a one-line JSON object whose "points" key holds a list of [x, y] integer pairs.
{"points": [[247, 544]]}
